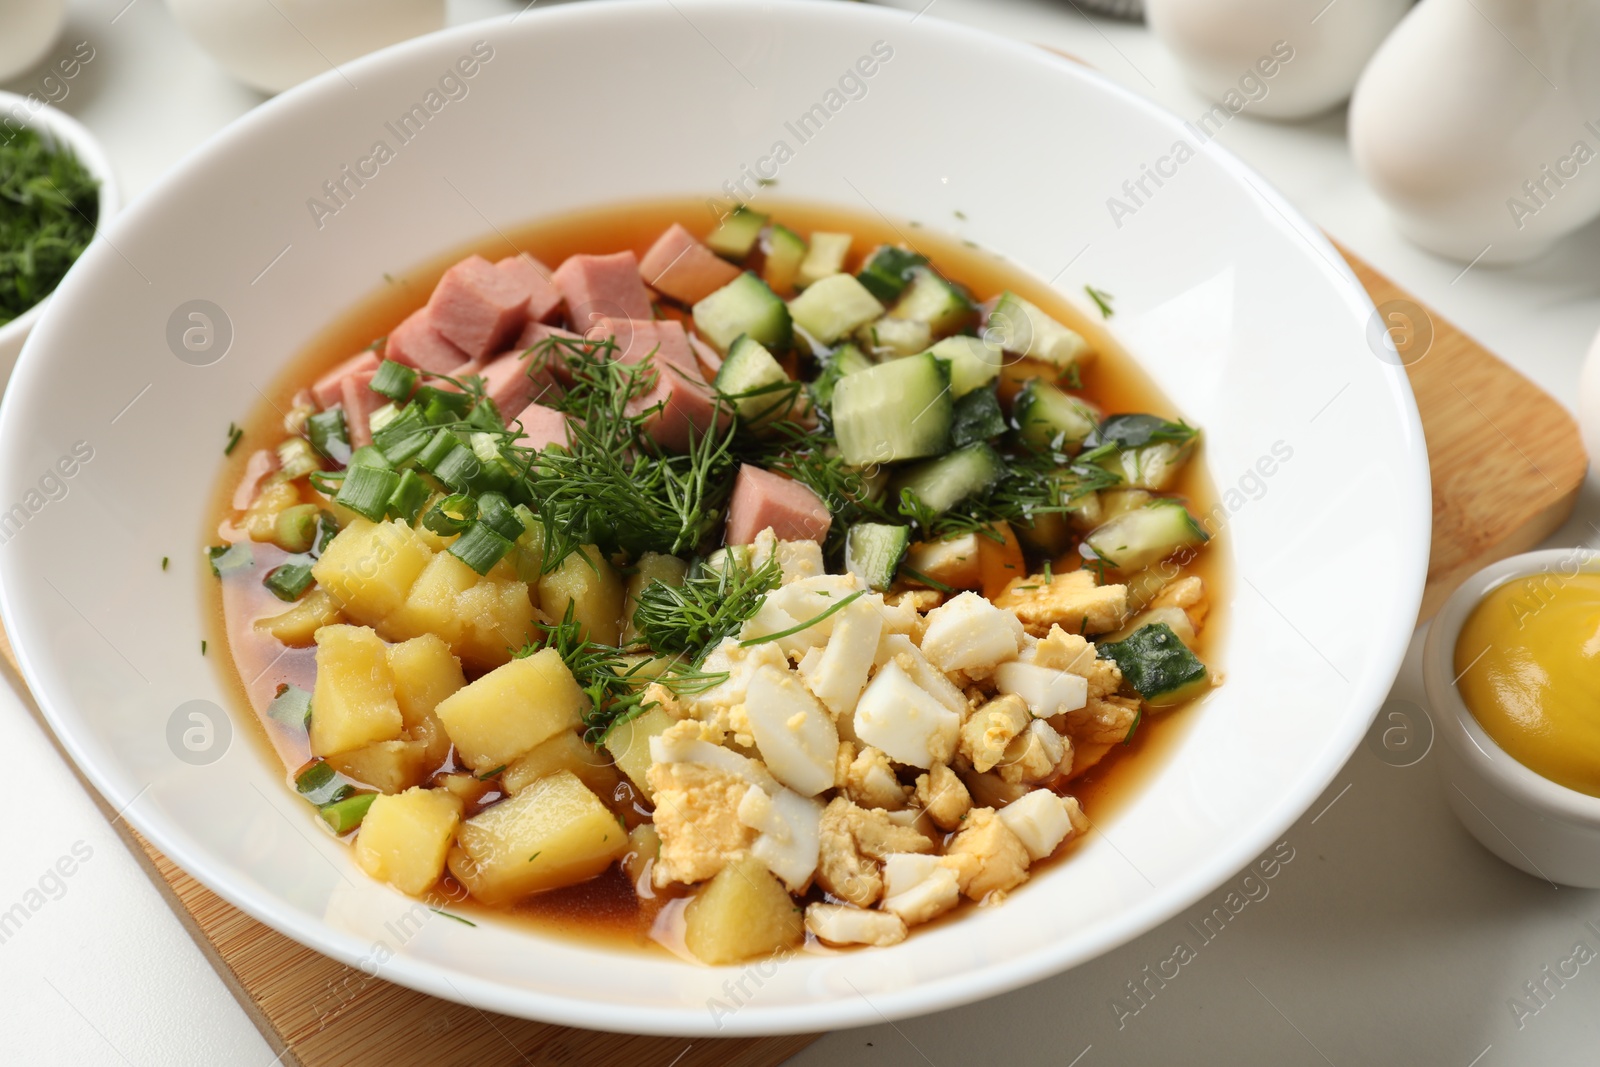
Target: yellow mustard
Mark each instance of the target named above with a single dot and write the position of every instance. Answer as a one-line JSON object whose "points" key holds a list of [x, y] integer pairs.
{"points": [[1528, 661]]}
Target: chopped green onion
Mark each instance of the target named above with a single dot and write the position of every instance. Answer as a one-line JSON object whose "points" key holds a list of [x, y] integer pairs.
{"points": [[435, 451], [480, 547], [366, 491], [460, 469], [370, 456], [164, 561], [791, 631], [382, 417], [288, 581], [409, 496], [292, 707], [486, 416], [327, 530], [327, 434], [297, 458], [451, 515], [404, 436], [296, 528], [326, 482], [235, 434], [225, 559], [345, 815], [495, 474], [394, 380], [457, 918], [495, 511], [441, 405], [318, 774]]}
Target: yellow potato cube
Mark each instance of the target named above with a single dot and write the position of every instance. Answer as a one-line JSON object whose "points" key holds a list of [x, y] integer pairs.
{"points": [[353, 701], [587, 584], [260, 520], [298, 626], [425, 672], [404, 838], [741, 913], [511, 709], [653, 567], [496, 620], [554, 833], [387, 766], [566, 751], [629, 745], [370, 567], [431, 604]]}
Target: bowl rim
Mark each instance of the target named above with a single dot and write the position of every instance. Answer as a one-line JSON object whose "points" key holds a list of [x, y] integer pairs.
{"points": [[59, 125], [1391, 635], [1462, 732]]}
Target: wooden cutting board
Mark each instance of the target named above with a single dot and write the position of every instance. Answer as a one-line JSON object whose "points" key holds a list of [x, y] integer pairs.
{"points": [[1507, 465]]}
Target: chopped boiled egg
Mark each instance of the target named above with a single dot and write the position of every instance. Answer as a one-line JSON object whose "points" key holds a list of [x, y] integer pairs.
{"points": [[967, 633], [1045, 690], [904, 720], [794, 733]]}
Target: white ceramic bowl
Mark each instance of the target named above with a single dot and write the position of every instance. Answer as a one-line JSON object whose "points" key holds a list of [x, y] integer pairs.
{"points": [[59, 128], [1537, 826], [1241, 310]]}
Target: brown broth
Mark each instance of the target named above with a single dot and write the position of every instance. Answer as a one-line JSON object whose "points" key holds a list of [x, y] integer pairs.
{"points": [[606, 909]]}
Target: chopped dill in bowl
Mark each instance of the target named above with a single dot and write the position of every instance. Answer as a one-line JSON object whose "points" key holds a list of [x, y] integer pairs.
{"points": [[49, 204]]}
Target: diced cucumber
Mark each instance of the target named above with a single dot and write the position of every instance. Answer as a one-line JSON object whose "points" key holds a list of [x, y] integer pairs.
{"points": [[756, 378], [1027, 331], [873, 551], [1135, 539], [887, 272], [833, 307], [786, 250], [1168, 614], [825, 257], [743, 306], [977, 418], [940, 484], [888, 338], [893, 411], [737, 235], [1048, 418], [942, 304], [1157, 663], [1116, 502], [1146, 451], [973, 362], [848, 359]]}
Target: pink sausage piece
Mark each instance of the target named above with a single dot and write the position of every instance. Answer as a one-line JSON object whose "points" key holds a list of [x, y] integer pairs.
{"points": [[543, 427], [596, 287], [687, 406], [680, 267], [544, 302], [417, 344], [359, 404], [478, 308], [328, 390], [762, 499], [507, 382]]}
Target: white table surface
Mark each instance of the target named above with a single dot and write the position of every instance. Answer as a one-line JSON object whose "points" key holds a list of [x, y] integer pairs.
{"points": [[1390, 937]]}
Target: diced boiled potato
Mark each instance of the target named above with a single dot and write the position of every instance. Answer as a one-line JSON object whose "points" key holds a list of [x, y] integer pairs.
{"points": [[404, 838], [511, 709], [586, 583], [566, 751], [793, 731], [387, 766], [431, 606], [553, 833], [353, 701], [968, 633], [370, 567], [644, 848], [629, 744], [741, 913], [425, 672], [652, 567], [298, 626], [497, 620], [260, 520]]}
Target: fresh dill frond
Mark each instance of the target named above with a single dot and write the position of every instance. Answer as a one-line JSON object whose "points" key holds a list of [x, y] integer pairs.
{"points": [[687, 620], [1102, 300], [49, 207]]}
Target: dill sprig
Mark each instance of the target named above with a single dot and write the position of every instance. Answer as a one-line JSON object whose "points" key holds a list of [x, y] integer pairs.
{"points": [[686, 621], [49, 204]]}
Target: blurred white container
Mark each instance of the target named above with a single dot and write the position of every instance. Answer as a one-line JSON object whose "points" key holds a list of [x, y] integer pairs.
{"points": [[1478, 122], [274, 44], [1221, 42], [27, 30]]}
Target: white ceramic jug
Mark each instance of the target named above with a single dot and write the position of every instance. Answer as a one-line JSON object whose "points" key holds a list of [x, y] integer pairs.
{"points": [[273, 44], [1225, 46], [1478, 122]]}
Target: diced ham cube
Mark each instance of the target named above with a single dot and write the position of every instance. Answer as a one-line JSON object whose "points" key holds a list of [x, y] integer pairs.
{"points": [[762, 499], [328, 390], [544, 303], [710, 360], [688, 408], [535, 334], [679, 266], [507, 381], [460, 374], [477, 308], [359, 404], [598, 287], [542, 427], [417, 344]]}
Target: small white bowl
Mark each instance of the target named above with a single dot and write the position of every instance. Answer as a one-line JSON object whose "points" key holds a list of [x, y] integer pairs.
{"points": [[61, 129], [1545, 829]]}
